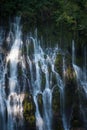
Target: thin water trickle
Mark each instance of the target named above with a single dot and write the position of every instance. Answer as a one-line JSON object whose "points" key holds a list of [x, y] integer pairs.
{"points": [[2, 95], [73, 52]]}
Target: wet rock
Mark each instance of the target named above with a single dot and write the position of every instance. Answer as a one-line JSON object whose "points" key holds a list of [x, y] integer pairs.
{"points": [[57, 121], [29, 112]]}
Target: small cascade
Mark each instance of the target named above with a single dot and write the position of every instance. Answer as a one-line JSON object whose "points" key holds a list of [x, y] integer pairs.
{"points": [[47, 99], [61, 85], [41, 66], [81, 75], [82, 85], [15, 99], [39, 120]]}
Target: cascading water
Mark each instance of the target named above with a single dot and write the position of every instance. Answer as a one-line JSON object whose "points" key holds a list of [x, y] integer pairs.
{"points": [[27, 66], [61, 85], [82, 85], [36, 84], [80, 73], [15, 99], [41, 65]]}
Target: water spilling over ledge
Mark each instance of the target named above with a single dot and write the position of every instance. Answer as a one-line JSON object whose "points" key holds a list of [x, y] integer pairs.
{"points": [[40, 88]]}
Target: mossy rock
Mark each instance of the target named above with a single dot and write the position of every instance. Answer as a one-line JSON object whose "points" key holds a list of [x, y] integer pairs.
{"points": [[57, 120], [54, 80], [29, 111], [79, 61], [43, 81], [24, 50], [59, 64], [68, 59], [70, 76], [77, 118], [19, 70], [70, 88], [56, 100], [40, 104], [30, 48]]}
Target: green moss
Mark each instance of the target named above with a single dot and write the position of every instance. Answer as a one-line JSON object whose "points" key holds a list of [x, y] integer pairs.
{"points": [[56, 100], [75, 123], [79, 61], [24, 50], [70, 91], [54, 81], [31, 48], [29, 110], [57, 121], [68, 59], [59, 64], [43, 81], [70, 74], [77, 118], [40, 104]]}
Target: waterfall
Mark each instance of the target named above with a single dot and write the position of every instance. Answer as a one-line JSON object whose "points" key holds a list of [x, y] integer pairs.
{"points": [[15, 99], [81, 75], [28, 68]]}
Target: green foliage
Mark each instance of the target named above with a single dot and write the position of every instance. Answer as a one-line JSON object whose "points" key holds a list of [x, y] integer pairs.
{"points": [[71, 15]]}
